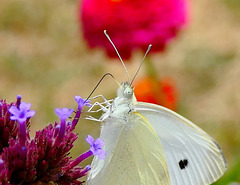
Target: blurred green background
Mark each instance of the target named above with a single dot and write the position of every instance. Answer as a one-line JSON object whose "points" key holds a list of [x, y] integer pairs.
{"points": [[44, 58]]}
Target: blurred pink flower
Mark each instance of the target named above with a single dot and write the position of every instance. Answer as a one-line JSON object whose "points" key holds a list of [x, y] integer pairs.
{"points": [[132, 24]]}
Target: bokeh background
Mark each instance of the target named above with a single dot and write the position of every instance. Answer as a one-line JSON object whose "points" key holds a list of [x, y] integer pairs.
{"points": [[44, 57]]}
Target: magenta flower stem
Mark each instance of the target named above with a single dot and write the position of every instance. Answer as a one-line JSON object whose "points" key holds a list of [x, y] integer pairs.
{"points": [[23, 153], [57, 128], [1, 108], [77, 116], [80, 158], [22, 136], [19, 98], [61, 132]]}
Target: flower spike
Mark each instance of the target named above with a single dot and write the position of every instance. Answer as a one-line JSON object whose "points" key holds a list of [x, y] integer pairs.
{"points": [[81, 103], [43, 159], [22, 113], [95, 149], [63, 114], [96, 146]]}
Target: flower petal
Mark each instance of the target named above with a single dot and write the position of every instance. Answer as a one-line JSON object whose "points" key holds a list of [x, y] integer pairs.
{"points": [[63, 113], [101, 154], [14, 110], [99, 143], [30, 113], [90, 140], [25, 106], [82, 102]]}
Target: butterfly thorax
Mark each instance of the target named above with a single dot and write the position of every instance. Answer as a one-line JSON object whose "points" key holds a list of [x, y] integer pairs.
{"points": [[122, 104]]}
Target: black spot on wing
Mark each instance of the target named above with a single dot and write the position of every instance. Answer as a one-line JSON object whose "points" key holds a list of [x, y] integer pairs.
{"points": [[183, 164]]}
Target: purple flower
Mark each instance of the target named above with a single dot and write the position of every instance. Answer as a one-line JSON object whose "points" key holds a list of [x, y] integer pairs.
{"points": [[82, 102], [96, 146], [43, 159], [95, 149], [63, 113], [22, 113], [8, 127]]}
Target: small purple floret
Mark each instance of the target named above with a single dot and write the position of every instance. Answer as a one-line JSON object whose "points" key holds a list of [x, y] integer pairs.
{"points": [[95, 149], [63, 113], [43, 159], [22, 113], [88, 167], [82, 102], [96, 146]]}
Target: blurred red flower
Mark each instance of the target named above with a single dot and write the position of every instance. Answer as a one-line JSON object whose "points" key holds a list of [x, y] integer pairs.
{"points": [[132, 24], [161, 92]]}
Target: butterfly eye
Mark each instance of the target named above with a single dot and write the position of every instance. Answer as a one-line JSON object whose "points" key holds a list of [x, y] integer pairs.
{"points": [[128, 92]]}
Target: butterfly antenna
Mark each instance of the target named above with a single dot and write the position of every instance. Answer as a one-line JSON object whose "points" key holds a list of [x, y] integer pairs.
{"points": [[149, 47], [99, 84], [105, 32]]}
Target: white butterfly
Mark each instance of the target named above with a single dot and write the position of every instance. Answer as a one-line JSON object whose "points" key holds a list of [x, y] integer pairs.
{"points": [[147, 144]]}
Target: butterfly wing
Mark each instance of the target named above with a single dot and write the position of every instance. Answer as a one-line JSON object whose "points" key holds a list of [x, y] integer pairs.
{"points": [[134, 154], [193, 157]]}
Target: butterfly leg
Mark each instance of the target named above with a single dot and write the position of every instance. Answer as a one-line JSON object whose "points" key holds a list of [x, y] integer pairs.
{"points": [[92, 118], [101, 105], [102, 108], [107, 102]]}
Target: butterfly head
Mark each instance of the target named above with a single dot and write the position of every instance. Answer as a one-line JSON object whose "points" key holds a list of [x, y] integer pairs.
{"points": [[125, 91]]}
